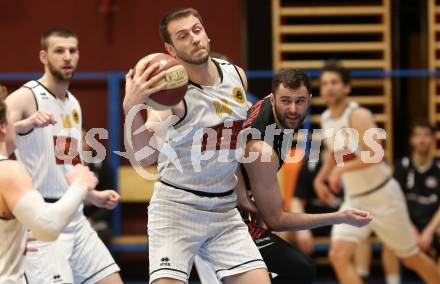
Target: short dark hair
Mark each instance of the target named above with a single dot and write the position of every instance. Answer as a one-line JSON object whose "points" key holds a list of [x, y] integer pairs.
{"points": [[422, 123], [173, 15], [55, 31], [337, 67], [291, 78]]}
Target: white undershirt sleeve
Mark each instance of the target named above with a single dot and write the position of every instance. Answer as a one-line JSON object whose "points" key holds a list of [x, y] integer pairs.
{"points": [[47, 220]]}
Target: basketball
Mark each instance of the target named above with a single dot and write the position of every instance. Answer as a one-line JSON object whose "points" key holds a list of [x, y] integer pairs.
{"points": [[176, 80]]}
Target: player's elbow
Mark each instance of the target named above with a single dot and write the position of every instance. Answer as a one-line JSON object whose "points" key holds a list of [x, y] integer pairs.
{"points": [[45, 229], [274, 221]]}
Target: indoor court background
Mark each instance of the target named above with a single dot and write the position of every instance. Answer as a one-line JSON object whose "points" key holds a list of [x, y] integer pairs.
{"points": [[392, 47]]}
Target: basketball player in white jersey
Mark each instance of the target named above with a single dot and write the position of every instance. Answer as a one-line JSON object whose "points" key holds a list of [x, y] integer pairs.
{"points": [[23, 207], [368, 185], [78, 255], [192, 210]]}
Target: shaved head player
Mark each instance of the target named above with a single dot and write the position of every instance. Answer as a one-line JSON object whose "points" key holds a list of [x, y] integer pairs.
{"points": [[48, 121]]}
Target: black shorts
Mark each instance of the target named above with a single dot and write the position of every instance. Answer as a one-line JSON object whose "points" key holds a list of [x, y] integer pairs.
{"points": [[286, 263]]}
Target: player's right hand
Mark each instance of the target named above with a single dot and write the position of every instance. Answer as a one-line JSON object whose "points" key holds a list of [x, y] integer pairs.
{"points": [[355, 217], [40, 119], [248, 207], [82, 176], [323, 192], [138, 87]]}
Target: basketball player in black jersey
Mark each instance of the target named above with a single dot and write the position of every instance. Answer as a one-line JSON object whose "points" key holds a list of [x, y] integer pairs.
{"points": [[285, 109], [419, 177], [274, 118]]}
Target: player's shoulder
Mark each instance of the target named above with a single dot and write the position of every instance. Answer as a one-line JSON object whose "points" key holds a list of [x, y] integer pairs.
{"points": [[258, 115], [361, 117], [225, 63], [13, 176], [362, 112], [10, 171], [21, 93]]}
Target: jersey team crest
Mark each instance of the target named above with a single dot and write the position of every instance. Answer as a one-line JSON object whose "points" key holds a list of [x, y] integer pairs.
{"points": [[75, 116], [238, 95]]}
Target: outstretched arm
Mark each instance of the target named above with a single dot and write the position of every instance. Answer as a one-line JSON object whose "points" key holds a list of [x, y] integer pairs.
{"points": [[266, 191], [46, 221]]}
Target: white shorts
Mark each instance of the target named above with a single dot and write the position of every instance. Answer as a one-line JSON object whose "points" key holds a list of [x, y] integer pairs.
{"points": [[205, 272], [182, 224], [77, 256], [391, 221]]}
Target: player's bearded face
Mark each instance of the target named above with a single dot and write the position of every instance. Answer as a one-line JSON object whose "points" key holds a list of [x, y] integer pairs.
{"points": [[62, 57], [190, 41], [291, 106], [192, 57], [290, 119]]}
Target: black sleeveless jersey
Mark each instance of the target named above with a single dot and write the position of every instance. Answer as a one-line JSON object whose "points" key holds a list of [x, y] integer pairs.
{"points": [[261, 117]]}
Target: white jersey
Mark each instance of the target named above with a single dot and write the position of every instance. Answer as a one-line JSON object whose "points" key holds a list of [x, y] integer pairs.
{"points": [[49, 153], [200, 152], [12, 245], [345, 145]]}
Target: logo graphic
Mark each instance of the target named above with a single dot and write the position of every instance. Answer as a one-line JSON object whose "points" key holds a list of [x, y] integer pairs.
{"points": [[75, 116], [238, 95], [57, 278], [165, 261], [431, 182]]}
